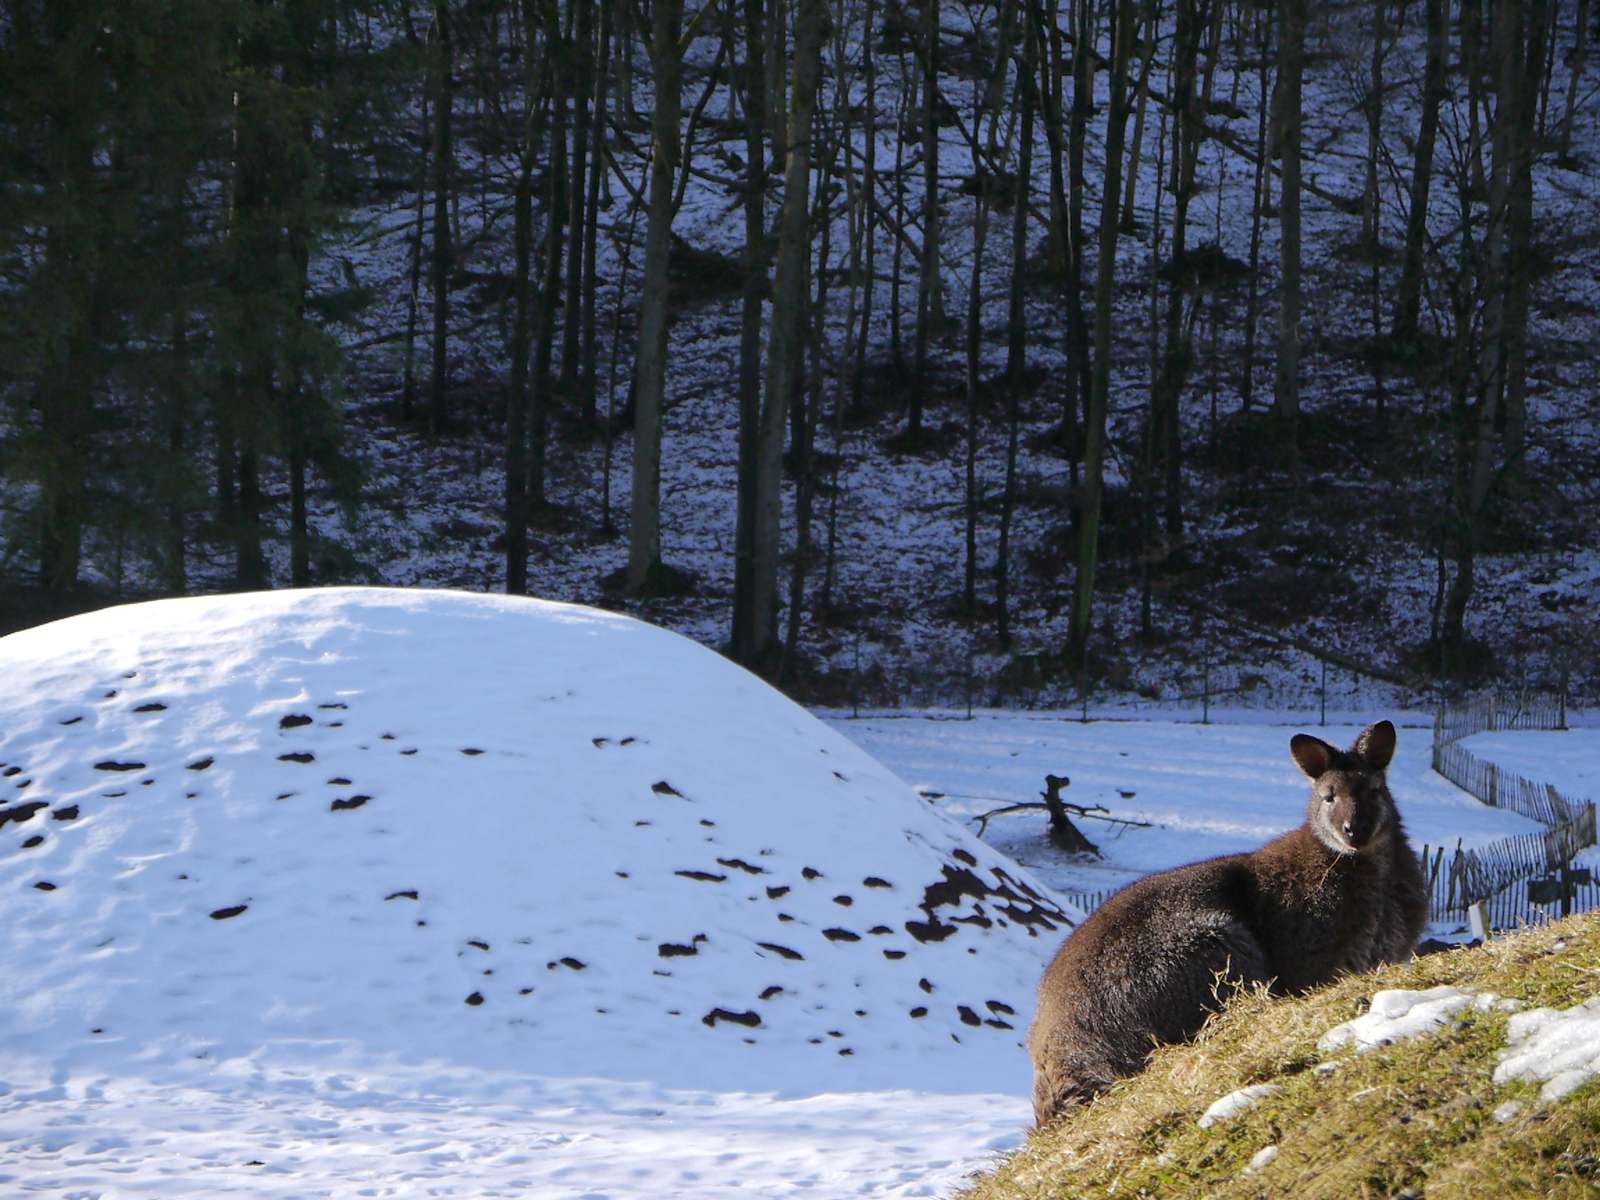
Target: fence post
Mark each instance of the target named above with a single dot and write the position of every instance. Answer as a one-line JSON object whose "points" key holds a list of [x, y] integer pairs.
{"points": [[970, 653], [855, 682], [1478, 920]]}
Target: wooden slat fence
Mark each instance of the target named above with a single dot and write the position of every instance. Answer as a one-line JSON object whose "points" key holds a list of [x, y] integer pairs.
{"points": [[1467, 876], [1494, 711], [1499, 788], [1496, 873]]}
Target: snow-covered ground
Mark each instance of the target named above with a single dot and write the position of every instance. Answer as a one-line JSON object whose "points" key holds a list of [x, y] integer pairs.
{"points": [[377, 893], [1568, 758], [1204, 789]]}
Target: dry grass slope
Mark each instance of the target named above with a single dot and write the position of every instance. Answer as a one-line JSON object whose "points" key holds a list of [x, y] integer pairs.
{"points": [[1413, 1119]]}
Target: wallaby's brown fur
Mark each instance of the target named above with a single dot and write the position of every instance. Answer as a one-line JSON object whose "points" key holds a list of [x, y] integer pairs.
{"points": [[1342, 893]]}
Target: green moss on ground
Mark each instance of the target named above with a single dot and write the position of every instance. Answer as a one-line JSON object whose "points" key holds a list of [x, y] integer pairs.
{"points": [[1413, 1119]]}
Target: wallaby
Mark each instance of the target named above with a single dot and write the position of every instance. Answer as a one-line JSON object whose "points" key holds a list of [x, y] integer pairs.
{"points": [[1343, 892]]}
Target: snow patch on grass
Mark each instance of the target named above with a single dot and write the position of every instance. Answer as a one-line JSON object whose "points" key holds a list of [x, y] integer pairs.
{"points": [[1234, 1103], [1399, 1013], [1559, 1046]]}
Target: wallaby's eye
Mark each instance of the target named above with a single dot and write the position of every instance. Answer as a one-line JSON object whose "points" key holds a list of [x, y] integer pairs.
{"points": [[1328, 798]]}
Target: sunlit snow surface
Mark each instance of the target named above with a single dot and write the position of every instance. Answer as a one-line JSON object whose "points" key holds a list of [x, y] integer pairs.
{"points": [[1399, 1013], [366, 892], [1560, 1047]]}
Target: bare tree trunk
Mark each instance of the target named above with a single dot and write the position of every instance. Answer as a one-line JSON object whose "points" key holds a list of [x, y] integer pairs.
{"points": [[777, 61], [1472, 432], [1017, 328], [1519, 234], [294, 397], [786, 342], [65, 395], [1507, 31], [1144, 481], [644, 526], [858, 217], [556, 199], [249, 564], [1094, 442], [1152, 28], [1058, 248], [1472, 67], [869, 192], [1064, 231], [591, 229], [1079, 384], [903, 120], [578, 73], [986, 103], [1187, 130], [808, 385], [408, 387], [754, 98], [516, 433], [1371, 233], [1575, 65], [1545, 74], [227, 455], [626, 15], [1287, 116], [928, 275], [1408, 294], [1252, 318], [443, 155], [1372, 199], [178, 409], [980, 234], [516, 456]]}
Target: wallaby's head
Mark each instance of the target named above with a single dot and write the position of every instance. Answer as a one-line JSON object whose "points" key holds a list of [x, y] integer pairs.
{"points": [[1351, 810]]}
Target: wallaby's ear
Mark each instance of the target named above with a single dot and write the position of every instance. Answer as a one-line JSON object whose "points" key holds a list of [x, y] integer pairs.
{"points": [[1376, 745], [1313, 755]]}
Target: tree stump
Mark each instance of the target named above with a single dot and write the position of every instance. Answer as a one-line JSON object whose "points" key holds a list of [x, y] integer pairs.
{"points": [[1063, 833]]}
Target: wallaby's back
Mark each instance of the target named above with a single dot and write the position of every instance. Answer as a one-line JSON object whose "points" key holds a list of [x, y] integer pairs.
{"points": [[1341, 893]]}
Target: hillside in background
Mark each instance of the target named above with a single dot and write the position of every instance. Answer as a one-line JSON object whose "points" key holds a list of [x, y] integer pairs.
{"points": [[293, 332]]}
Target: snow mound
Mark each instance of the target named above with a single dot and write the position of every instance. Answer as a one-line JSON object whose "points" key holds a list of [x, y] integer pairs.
{"points": [[482, 831], [1559, 1046], [1398, 1013]]}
